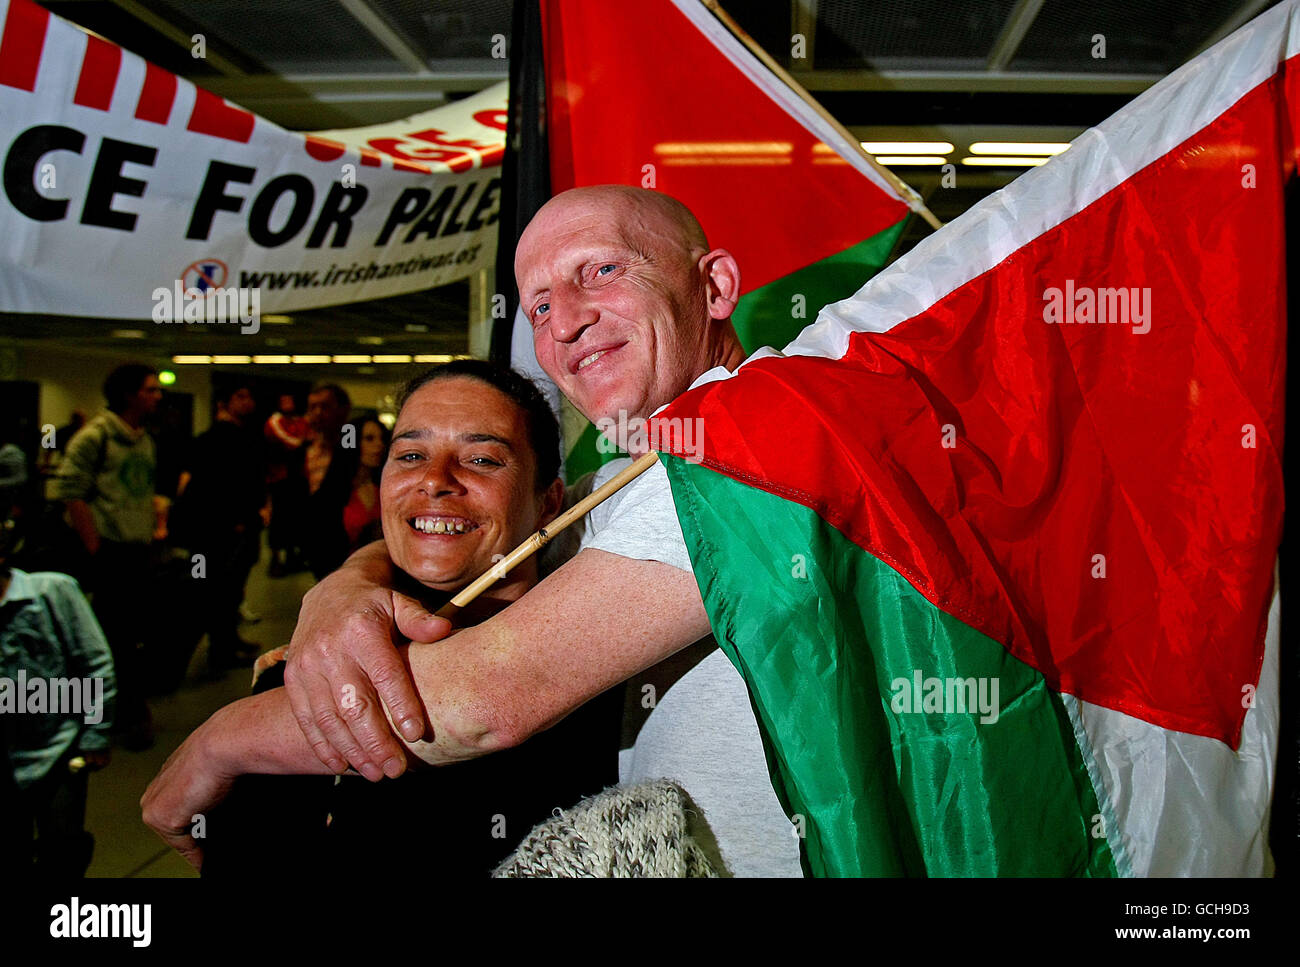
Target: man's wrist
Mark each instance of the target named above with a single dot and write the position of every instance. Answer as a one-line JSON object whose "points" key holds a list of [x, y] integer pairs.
{"points": [[219, 740], [257, 734]]}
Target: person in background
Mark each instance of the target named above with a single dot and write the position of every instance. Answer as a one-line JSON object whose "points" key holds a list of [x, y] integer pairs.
{"points": [[48, 632], [18, 495], [286, 434], [106, 482], [219, 513], [330, 466], [361, 515]]}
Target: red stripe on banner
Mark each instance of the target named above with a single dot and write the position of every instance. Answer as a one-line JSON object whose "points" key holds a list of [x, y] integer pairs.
{"points": [[212, 115], [371, 158], [662, 95], [400, 165], [99, 70], [1105, 502], [22, 43], [323, 149], [157, 95]]}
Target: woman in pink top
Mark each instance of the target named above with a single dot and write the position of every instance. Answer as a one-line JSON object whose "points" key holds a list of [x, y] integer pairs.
{"points": [[361, 514]]}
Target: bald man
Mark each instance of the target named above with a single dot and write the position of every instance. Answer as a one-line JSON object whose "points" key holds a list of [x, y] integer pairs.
{"points": [[629, 308]]}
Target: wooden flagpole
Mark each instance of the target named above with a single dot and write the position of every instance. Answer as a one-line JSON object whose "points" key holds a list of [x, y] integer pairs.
{"points": [[540, 539]]}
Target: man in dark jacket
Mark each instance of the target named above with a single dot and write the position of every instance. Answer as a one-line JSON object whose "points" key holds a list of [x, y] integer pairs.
{"points": [[219, 514]]}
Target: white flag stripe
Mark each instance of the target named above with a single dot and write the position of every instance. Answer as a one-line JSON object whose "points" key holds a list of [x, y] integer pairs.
{"points": [[1098, 161]]}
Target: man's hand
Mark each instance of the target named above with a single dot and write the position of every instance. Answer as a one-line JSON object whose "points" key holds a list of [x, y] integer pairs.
{"points": [[342, 651], [191, 781]]}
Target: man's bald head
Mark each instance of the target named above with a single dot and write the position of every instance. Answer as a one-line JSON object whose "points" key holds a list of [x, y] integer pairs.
{"points": [[640, 212], [627, 302]]}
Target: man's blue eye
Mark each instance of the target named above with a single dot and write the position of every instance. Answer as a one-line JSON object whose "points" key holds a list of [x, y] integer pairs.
{"points": [[601, 270]]}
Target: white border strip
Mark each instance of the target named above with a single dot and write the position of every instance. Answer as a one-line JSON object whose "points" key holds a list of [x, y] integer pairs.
{"points": [[1177, 804]]}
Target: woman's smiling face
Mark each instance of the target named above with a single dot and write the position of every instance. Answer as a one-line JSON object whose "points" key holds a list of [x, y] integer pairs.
{"points": [[459, 484]]}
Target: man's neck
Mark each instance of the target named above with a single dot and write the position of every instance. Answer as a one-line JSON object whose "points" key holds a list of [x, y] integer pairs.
{"points": [[729, 355], [131, 418], [726, 352]]}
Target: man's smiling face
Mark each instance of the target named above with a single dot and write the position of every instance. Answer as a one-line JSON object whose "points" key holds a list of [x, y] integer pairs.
{"points": [[617, 299], [458, 486]]}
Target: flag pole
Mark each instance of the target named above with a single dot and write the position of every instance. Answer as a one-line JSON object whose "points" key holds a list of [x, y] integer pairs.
{"points": [[915, 202], [543, 536]]}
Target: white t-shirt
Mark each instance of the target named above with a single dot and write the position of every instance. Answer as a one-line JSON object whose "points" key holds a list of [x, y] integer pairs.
{"points": [[701, 731]]}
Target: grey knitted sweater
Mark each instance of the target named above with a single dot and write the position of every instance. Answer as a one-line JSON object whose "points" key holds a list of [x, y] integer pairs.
{"points": [[636, 830]]}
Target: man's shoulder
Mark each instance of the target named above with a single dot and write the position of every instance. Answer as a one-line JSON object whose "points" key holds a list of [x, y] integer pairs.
{"points": [[97, 428], [640, 522], [88, 447], [599, 515], [50, 585], [607, 471]]}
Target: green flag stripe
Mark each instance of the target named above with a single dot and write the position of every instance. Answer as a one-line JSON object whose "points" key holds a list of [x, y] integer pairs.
{"points": [[771, 316], [825, 634], [585, 456]]}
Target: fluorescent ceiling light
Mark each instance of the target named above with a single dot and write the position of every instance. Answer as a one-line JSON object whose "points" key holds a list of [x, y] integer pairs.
{"points": [[915, 160], [1019, 147], [989, 162], [723, 147], [907, 147]]}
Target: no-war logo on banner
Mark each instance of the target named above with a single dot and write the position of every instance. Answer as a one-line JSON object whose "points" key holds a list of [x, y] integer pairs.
{"points": [[121, 179]]}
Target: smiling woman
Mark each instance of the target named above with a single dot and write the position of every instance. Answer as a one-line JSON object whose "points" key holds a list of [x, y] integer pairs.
{"points": [[471, 471]]}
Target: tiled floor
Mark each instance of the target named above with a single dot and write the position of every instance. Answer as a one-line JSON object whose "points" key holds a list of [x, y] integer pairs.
{"points": [[124, 846]]}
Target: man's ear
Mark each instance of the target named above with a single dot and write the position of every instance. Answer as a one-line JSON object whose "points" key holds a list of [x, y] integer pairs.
{"points": [[552, 502], [722, 276]]}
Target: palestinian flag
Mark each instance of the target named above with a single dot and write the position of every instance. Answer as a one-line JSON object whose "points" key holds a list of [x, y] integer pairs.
{"points": [[993, 541], [661, 95]]}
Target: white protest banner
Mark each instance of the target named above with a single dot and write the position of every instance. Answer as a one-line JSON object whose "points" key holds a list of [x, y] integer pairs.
{"points": [[123, 184]]}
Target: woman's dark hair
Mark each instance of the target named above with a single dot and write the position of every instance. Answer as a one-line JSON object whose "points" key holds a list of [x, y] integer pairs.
{"points": [[543, 431], [124, 382]]}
